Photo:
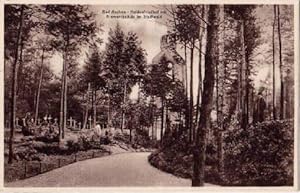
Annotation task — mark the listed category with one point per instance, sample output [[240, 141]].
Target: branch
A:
[[197, 14]]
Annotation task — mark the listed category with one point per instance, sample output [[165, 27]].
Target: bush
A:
[[47, 134], [105, 140], [46, 148], [261, 154], [122, 137], [73, 146], [83, 143]]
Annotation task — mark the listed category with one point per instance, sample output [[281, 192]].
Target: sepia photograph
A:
[[149, 95]]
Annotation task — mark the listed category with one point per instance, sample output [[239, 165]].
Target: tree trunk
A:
[[65, 95], [207, 97], [186, 90], [153, 117], [186, 71], [63, 102], [123, 108], [273, 44], [86, 114], [280, 66], [15, 87], [109, 123], [243, 78], [94, 107], [192, 131], [20, 71], [130, 133], [92, 110], [220, 95], [61, 113], [199, 92], [39, 90], [162, 120], [247, 85], [155, 128]]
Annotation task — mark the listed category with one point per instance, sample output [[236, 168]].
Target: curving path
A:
[[127, 169]]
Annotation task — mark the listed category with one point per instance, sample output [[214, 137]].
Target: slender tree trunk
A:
[[217, 93], [243, 78], [123, 108], [280, 66], [95, 108], [63, 102], [20, 71], [199, 92], [247, 85], [207, 96], [167, 119], [273, 44], [192, 131], [186, 90], [65, 78], [36, 86], [220, 74], [253, 105], [186, 70], [86, 107], [153, 118], [92, 110], [239, 88], [162, 120], [109, 109], [65, 94], [130, 133], [39, 89], [15, 87], [61, 113]]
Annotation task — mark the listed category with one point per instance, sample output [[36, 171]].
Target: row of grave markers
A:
[[77, 125], [48, 120]]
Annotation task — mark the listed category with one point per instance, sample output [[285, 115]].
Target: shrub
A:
[[73, 146], [47, 134], [122, 137], [46, 148], [105, 140], [261, 154], [85, 143]]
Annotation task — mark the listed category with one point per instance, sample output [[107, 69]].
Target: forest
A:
[[215, 105]]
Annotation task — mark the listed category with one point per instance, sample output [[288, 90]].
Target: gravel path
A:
[[127, 169]]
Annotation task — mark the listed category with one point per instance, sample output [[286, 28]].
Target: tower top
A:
[[167, 42]]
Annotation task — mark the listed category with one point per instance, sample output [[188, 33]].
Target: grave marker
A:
[[24, 121], [49, 118], [55, 121], [39, 121], [90, 122], [17, 121], [74, 123], [70, 121]]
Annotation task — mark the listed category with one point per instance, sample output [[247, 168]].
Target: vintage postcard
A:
[[187, 96]]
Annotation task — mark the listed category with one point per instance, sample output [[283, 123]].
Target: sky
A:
[[150, 31]]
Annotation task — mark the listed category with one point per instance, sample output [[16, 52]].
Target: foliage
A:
[[187, 25], [261, 154], [175, 156], [83, 143], [124, 61], [93, 68], [157, 82], [72, 25]]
